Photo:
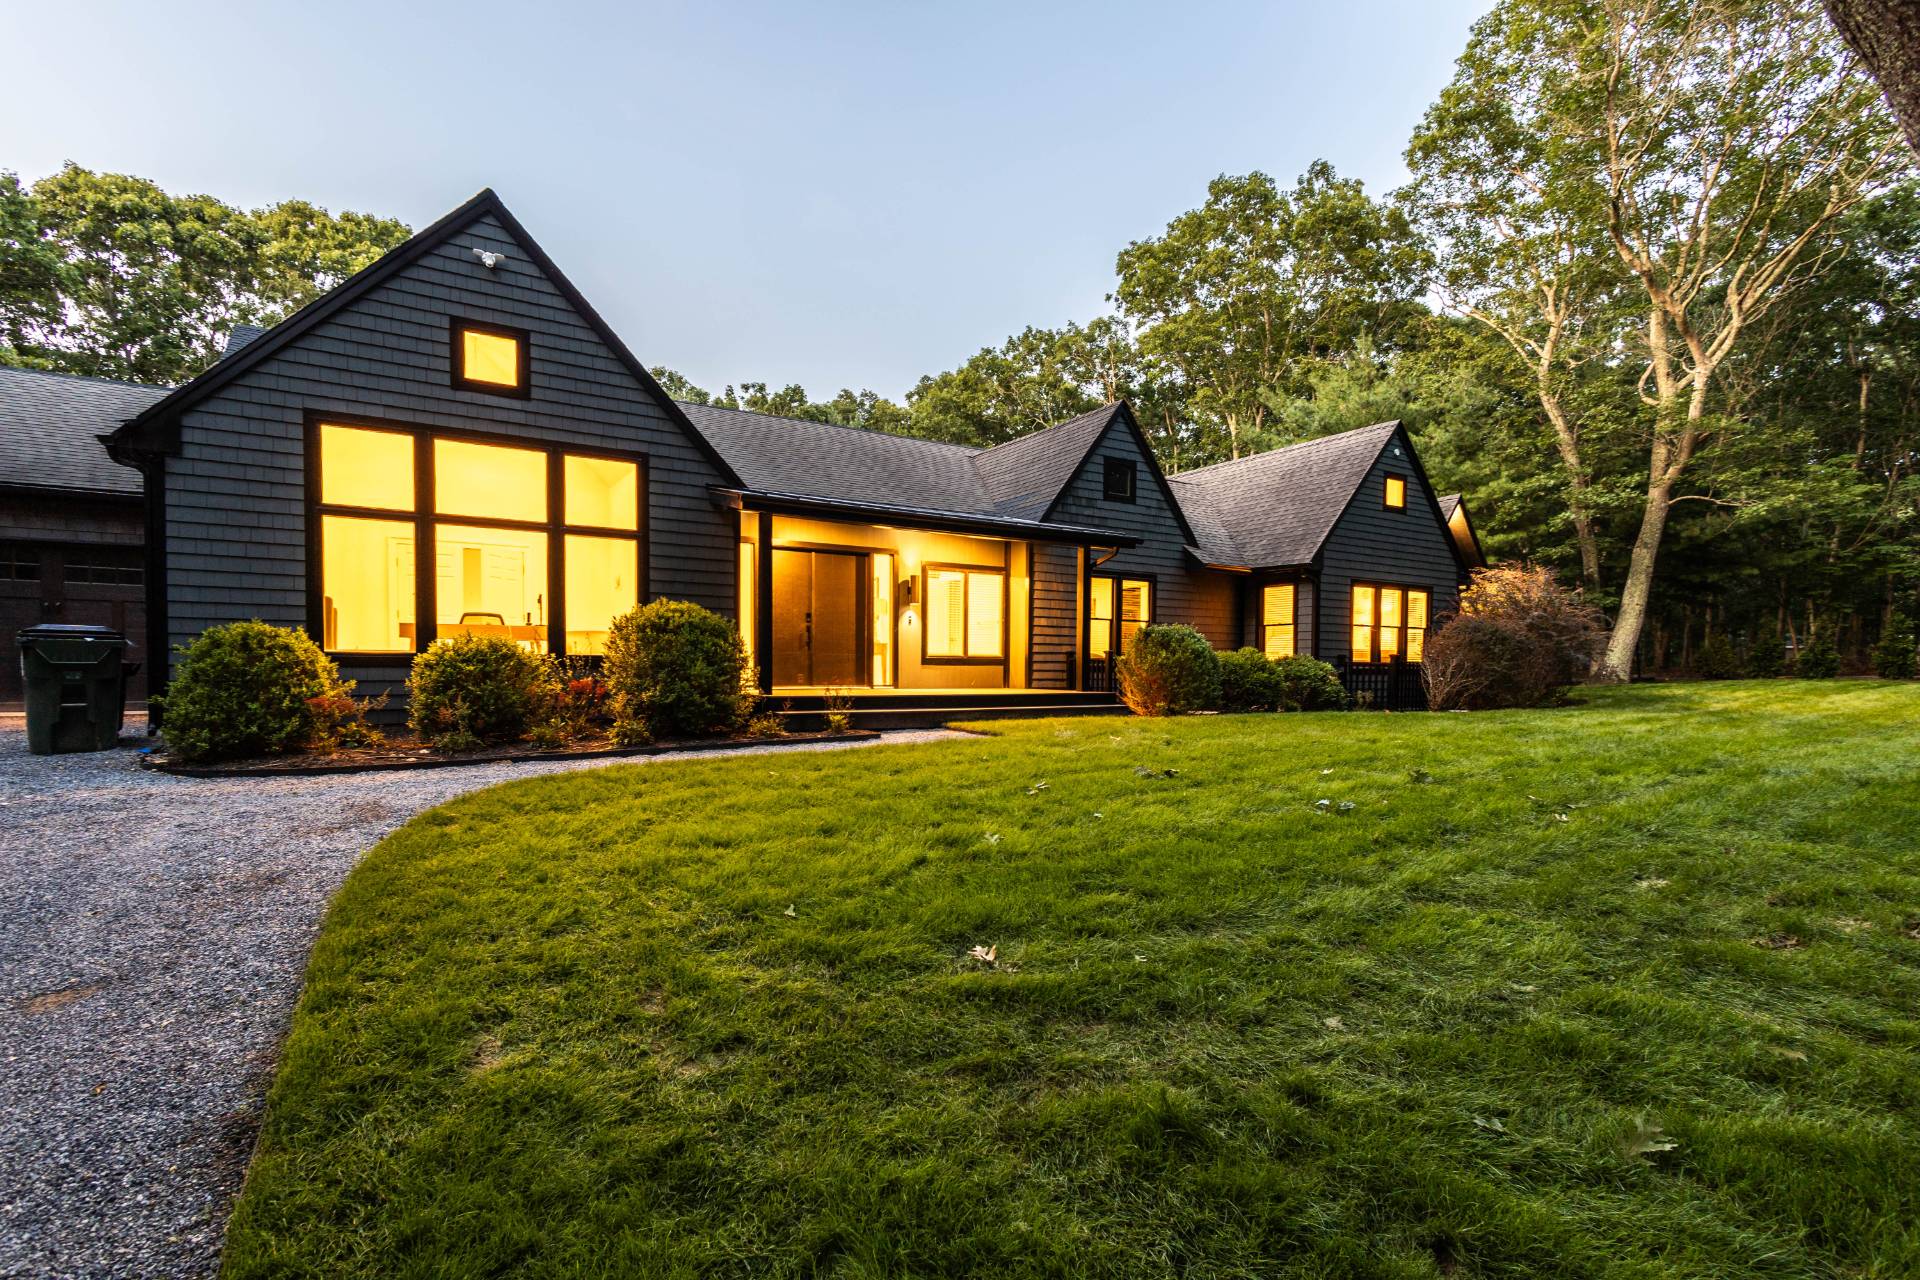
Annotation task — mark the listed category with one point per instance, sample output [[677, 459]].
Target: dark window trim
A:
[[928, 659], [1405, 484], [1127, 467], [423, 518], [457, 358], [1261, 625], [1403, 628], [1113, 636]]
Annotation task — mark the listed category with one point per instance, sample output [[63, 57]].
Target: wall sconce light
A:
[[906, 589]]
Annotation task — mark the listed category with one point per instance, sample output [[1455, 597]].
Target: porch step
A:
[[893, 711]]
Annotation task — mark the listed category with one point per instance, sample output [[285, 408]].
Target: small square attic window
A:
[[1119, 479], [490, 358]]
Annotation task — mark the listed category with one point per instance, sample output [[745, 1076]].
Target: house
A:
[[454, 442], [72, 522]]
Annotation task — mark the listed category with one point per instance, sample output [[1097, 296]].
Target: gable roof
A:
[[50, 429], [156, 429], [1276, 509], [1448, 503], [1025, 476]]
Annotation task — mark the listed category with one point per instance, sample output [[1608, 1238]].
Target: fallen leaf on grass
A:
[[1852, 924], [1779, 942], [1911, 928], [1490, 1122], [986, 955], [1650, 882], [1145, 772], [993, 837], [1333, 1023], [1791, 1055], [1646, 1139], [1036, 788], [1419, 777], [790, 912]]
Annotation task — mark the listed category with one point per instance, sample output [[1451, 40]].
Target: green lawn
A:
[[1627, 989]]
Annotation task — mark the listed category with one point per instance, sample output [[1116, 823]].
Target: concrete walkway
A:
[[153, 935]]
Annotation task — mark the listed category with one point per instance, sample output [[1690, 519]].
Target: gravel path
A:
[[153, 933]]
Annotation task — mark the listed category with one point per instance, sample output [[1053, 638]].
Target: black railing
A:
[[1383, 686], [1099, 675]]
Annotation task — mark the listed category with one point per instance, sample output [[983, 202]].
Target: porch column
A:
[[763, 604]]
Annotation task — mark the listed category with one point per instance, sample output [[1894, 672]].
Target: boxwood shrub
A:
[[1308, 684], [248, 689], [675, 670], [468, 691], [1168, 670], [1249, 681]]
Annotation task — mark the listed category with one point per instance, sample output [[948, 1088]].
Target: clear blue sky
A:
[[837, 194]]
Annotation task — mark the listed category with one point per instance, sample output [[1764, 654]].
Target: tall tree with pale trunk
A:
[[1707, 152]]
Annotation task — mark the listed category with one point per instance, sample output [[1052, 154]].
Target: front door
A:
[[1116, 608], [818, 610]]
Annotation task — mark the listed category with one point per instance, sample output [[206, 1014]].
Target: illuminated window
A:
[[882, 618], [1396, 494], [365, 468], [1388, 622], [602, 583], [366, 585], [1276, 620], [489, 358], [489, 481], [492, 564], [603, 493], [966, 613], [491, 582], [1116, 609], [749, 596]]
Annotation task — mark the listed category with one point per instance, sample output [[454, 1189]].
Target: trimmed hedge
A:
[[248, 689], [675, 670], [1168, 671], [471, 690]]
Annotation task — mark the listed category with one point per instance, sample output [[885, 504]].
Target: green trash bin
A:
[[76, 684]]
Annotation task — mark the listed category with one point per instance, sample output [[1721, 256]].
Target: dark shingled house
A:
[[453, 441], [71, 520]]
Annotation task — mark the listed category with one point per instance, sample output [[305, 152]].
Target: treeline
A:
[[1652, 301]]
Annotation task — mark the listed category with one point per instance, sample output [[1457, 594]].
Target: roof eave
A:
[[778, 503]]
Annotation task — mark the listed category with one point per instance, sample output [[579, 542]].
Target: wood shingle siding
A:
[[1371, 543], [1184, 592], [1056, 615], [236, 488]]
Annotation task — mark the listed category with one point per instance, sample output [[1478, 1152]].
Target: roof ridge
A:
[[1285, 448], [968, 449], [89, 377]]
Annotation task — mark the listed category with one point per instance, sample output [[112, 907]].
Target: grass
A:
[[1625, 989]]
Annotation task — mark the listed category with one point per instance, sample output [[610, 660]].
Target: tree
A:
[[1237, 293], [1028, 383], [1886, 35], [1712, 148], [146, 284]]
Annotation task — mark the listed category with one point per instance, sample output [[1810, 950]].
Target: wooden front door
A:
[[819, 611]]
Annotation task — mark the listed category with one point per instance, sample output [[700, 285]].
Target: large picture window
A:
[[534, 544], [1276, 620], [966, 613], [1388, 623]]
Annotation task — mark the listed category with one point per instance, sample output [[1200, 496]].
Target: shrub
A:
[[1248, 681], [1767, 658], [575, 706], [248, 689], [1308, 684], [1719, 660], [1894, 657], [677, 669], [1818, 661], [1168, 670], [1518, 640], [473, 690]]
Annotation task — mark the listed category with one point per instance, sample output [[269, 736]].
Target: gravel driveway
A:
[[153, 933]]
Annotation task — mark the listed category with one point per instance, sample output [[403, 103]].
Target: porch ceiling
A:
[[921, 518]]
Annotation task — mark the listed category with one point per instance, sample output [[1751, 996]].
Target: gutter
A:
[[917, 517]]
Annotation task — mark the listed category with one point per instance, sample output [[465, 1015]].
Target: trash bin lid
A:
[[70, 631]]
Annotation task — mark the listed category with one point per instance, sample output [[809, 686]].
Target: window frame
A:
[[1119, 581], [1111, 467], [1293, 622], [457, 358], [424, 517], [1386, 490], [931, 659], [1405, 612]]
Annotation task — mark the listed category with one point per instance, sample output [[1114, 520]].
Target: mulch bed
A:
[[409, 754]]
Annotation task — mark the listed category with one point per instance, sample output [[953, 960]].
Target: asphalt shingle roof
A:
[[1449, 503], [50, 424], [1024, 476], [1277, 508]]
